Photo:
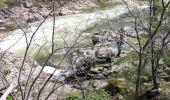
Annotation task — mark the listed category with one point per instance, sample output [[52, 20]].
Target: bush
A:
[[101, 3], [129, 74], [115, 86], [118, 87], [130, 57], [34, 94], [2, 3], [9, 98], [97, 95], [166, 59], [146, 75], [73, 96], [37, 3]]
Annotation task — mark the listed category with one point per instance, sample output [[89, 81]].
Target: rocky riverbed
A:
[[26, 11], [88, 68], [87, 65]]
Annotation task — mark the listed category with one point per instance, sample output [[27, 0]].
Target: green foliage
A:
[[2, 3], [9, 98], [115, 82], [120, 60], [37, 3], [144, 37], [166, 59], [164, 86], [129, 74], [73, 96], [124, 82], [98, 95], [118, 87], [132, 56], [12, 3], [146, 75], [101, 3], [34, 94]]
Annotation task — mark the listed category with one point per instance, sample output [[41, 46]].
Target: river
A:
[[68, 30]]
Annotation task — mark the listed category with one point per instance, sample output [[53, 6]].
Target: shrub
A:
[[114, 86], [166, 59], [130, 57], [146, 75], [73, 96], [120, 61], [2, 3], [12, 3], [129, 74], [101, 3], [97, 95], [9, 98], [34, 94], [37, 3]]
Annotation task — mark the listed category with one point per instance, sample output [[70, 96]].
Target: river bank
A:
[[29, 12], [71, 30], [80, 58]]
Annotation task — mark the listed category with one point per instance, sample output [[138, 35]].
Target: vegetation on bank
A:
[[122, 85], [2, 3], [154, 70]]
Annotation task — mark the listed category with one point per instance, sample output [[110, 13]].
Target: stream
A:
[[69, 30]]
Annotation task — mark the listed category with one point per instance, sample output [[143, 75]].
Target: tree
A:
[[157, 31]]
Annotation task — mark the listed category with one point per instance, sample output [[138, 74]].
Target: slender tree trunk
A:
[[137, 93], [153, 64]]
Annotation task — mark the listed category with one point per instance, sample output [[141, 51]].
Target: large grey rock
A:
[[85, 64], [32, 18], [97, 38], [3, 22], [80, 54], [102, 37], [27, 3], [105, 53]]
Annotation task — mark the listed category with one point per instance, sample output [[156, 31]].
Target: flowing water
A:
[[69, 30]]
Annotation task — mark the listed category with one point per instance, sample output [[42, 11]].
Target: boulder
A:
[[105, 53], [85, 64], [103, 44], [27, 3], [32, 18], [2, 22], [102, 37], [44, 12], [79, 54], [97, 38]]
